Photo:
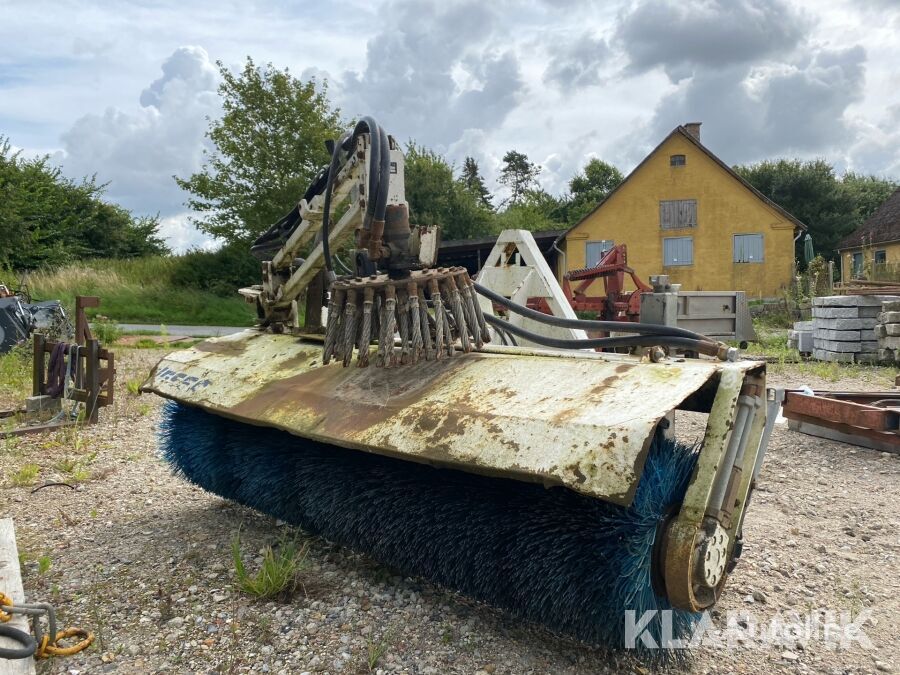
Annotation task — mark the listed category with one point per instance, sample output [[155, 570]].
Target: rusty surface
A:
[[584, 422], [838, 409]]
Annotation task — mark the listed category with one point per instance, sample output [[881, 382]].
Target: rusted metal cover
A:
[[584, 421]]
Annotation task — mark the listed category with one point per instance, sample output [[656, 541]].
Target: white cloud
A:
[[561, 80], [139, 150]]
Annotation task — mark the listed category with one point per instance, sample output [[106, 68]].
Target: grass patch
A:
[[139, 290], [25, 475], [278, 574], [15, 372], [377, 649]]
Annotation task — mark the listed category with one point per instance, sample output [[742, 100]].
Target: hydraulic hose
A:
[[700, 346], [326, 215], [384, 175], [379, 180], [618, 326]]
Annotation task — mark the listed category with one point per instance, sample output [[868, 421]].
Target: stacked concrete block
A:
[[801, 338], [887, 330], [844, 327]]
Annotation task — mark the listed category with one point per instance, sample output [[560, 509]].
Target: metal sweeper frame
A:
[[589, 427]]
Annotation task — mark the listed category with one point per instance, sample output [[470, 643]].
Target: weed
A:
[[44, 564], [26, 475], [146, 343], [81, 474], [378, 649], [93, 513], [277, 575], [134, 386], [106, 331], [65, 465], [143, 409]]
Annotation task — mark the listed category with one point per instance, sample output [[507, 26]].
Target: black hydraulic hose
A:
[[700, 346], [618, 326], [384, 172], [376, 149], [379, 172], [326, 215]]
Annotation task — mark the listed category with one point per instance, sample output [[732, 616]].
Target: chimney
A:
[[693, 128]]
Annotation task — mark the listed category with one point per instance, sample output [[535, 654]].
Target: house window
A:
[[594, 250], [677, 160], [880, 257], [678, 251], [748, 248], [857, 267], [677, 213]]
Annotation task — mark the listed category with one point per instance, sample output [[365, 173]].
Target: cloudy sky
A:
[[123, 89]]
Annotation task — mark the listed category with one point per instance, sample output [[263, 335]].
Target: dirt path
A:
[[144, 560]]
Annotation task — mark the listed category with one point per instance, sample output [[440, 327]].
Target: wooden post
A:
[[82, 328], [92, 377], [38, 370]]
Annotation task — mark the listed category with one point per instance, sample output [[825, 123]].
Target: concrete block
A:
[[880, 332], [804, 341], [889, 343], [835, 346], [845, 335], [37, 404], [804, 325], [835, 312], [886, 355], [868, 357], [853, 300], [869, 312], [892, 329], [846, 324], [890, 306], [889, 317], [823, 355]]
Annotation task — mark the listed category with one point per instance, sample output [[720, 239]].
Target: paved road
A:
[[192, 331]]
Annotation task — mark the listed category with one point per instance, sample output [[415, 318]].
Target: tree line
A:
[[270, 143], [47, 219]]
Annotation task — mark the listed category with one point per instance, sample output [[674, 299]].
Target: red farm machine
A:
[[615, 303]]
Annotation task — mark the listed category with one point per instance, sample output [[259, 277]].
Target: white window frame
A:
[[678, 263], [762, 248]]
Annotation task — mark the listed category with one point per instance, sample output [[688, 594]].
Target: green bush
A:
[[221, 272]]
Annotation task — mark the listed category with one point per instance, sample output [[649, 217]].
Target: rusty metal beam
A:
[[824, 409]]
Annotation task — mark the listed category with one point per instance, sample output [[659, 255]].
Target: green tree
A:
[[474, 182], [537, 211], [590, 186], [831, 206], [435, 196], [866, 192], [269, 144], [519, 175], [49, 219]]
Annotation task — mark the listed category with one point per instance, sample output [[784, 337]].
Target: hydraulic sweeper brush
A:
[[541, 482]]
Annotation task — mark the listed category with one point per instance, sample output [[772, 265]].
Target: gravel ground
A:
[[144, 560]]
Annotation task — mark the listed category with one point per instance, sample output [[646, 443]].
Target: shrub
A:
[[221, 272]]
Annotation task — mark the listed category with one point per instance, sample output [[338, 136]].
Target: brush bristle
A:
[[572, 563]]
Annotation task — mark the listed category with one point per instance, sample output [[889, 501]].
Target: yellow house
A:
[[873, 251], [685, 213]]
